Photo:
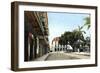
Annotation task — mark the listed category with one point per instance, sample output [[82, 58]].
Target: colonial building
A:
[[35, 35], [56, 47]]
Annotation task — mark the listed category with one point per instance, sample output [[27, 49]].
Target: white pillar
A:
[[55, 45], [37, 51]]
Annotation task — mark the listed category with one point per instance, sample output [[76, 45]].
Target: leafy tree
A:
[[87, 41], [66, 37], [71, 37]]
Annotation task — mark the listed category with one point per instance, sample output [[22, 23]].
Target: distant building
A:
[[56, 47], [55, 43], [35, 34]]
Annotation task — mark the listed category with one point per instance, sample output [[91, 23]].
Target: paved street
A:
[[59, 56], [63, 56], [66, 56]]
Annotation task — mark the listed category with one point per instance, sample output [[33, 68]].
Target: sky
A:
[[60, 22]]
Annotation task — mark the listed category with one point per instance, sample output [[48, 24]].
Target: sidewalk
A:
[[83, 53], [43, 58]]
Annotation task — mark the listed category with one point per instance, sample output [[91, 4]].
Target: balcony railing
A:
[[39, 22]]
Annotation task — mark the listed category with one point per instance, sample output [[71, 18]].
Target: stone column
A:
[[31, 44], [37, 44]]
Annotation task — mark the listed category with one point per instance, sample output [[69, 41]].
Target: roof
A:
[[56, 39]]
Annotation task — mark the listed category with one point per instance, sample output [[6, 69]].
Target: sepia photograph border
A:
[[15, 33]]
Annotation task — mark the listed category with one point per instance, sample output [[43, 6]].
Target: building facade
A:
[[36, 42]]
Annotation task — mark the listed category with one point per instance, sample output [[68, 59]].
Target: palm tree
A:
[[79, 32], [78, 36], [87, 22]]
